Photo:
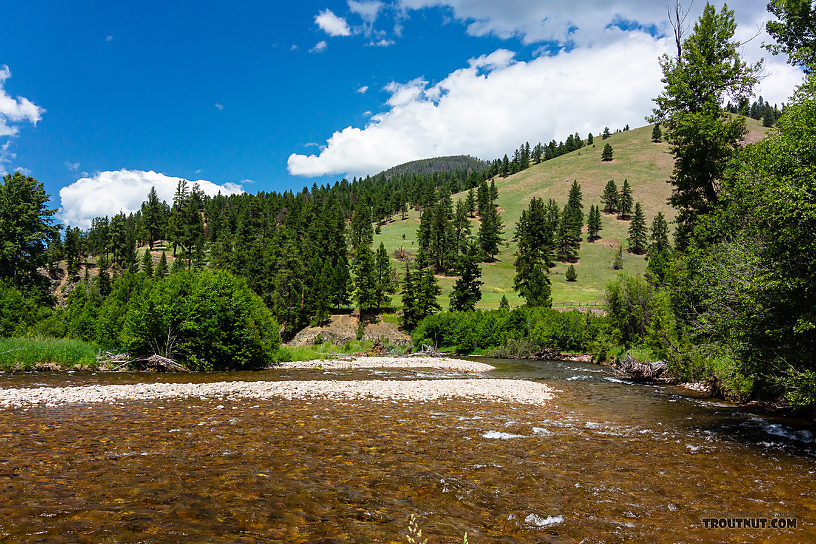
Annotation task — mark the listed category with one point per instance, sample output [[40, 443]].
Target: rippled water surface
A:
[[605, 461]]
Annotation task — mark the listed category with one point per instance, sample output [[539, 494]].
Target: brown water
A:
[[604, 462]]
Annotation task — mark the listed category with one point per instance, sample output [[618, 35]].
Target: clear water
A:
[[605, 461]]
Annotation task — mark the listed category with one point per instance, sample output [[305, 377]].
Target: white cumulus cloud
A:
[[13, 111], [367, 11], [110, 192], [331, 24], [362, 89], [319, 47], [494, 104], [605, 72]]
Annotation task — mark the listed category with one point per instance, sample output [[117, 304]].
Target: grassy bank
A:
[[31, 353]]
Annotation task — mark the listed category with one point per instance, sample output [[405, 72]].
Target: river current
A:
[[604, 461]]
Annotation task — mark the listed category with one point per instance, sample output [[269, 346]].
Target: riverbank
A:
[[501, 390]]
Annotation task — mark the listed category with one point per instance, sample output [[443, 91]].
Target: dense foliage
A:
[[527, 329]]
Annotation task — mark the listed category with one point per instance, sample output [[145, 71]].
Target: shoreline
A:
[[501, 390]]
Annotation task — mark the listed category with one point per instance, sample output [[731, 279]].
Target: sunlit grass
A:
[[645, 164], [29, 353]]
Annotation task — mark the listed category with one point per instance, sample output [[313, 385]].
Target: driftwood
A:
[[428, 351], [636, 370], [154, 363]]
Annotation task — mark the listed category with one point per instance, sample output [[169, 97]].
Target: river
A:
[[604, 461]]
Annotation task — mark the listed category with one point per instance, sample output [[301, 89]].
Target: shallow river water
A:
[[604, 461]]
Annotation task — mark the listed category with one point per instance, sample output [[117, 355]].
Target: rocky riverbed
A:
[[520, 391], [440, 363]]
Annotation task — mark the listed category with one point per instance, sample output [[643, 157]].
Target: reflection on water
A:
[[604, 462]]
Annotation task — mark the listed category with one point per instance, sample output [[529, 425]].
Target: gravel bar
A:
[[505, 390], [442, 363]]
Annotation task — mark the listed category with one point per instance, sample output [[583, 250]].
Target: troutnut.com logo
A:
[[750, 523]]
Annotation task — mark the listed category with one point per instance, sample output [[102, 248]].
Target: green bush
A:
[[210, 320]]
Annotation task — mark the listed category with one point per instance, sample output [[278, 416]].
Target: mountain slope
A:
[[437, 164], [646, 165]]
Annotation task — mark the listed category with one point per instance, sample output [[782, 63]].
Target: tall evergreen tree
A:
[[708, 68], [610, 197], [606, 154], [152, 219], [657, 134], [625, 201], [365, 278], [569, 234], [467, 289], [660, 234], [470, 203], [362, 230], [483, 200], [490, 233], [537, 292], [427, 288], [385, 283], [147, 264], [161, 269], [605, 134], [594, 223], [637, 231]]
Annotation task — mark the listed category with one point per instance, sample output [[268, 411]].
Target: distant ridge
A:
[[437, 164]]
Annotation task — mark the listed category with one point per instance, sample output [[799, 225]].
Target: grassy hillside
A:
[[646, 165]]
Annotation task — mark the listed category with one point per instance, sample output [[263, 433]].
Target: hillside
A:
[[436, 164], [645, 164]]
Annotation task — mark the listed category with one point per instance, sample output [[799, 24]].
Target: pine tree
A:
[[177, 266], [490, 232], [590, 139], [410, 310], [441, 245], [571, 274], [569, 234], [625, 201], [606, 133], [657, 134], [617, 263], [574, 202], [505, 167], [147, 264], [103, 279], [537, 293], [482, 198], [470, 203], [610, 197], [504, 304], [152, 217], [594, 223], [708, 68], [385, 283], [365, 280], [660, 234], [427, 288], [461, 228], [637, 231], [467, 289], [362, 229], [161, 269], [606, 155], [494, 193]]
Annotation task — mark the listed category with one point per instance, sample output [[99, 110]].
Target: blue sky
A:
[[100, 100]]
